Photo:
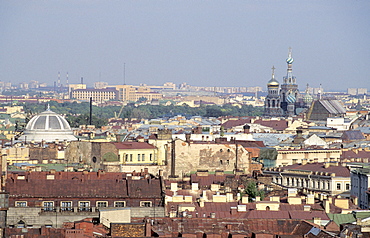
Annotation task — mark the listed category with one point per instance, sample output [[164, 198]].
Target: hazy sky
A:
[[203, 43]]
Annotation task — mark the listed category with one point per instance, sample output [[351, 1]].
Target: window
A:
[[66, 206], [126, 158], [21, 204], [120, 204], [102, 204], [48, 206], [339, 187], [145, 204], [348, 186], [130, 157], [143, 157], [151, 157], [84, 206], [138, 157]]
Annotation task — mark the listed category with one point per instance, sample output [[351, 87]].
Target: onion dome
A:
[[48, 126], [289, 60], [273, 83], [307, 98], [291, 99]]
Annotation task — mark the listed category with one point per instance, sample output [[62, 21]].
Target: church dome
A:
[[290, 99], [273, 82], [48, 126], [307, 98], [290, 60]]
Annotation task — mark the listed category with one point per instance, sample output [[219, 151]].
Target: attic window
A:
[[50, 177], [21, 177]]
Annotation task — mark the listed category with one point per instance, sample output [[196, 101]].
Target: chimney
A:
[[245, 199], [201, 202], [246, 129], [317, 221], [306, 208], [187, 137], [233, 210], [327, 206]]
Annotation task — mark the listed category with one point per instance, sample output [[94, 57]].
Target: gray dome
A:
[[47, 126]]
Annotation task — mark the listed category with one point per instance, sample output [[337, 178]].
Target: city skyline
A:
[[203, 44]]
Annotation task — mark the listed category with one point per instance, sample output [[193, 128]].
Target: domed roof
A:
[[290, 98], [290, 60], [307, 98], [48, 126], [273, 82]]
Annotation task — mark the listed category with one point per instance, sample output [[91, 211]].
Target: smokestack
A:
[[173, 158], [90, 111], [82, 80], [67, 83]]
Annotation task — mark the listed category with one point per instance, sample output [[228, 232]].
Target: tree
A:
[[253, 191]]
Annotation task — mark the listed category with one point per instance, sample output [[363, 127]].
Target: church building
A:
[[283, 100]]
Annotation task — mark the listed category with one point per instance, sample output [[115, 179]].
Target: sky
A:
[[200, 42]]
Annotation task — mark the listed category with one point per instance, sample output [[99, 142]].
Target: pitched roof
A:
[[278, 125], [342, 218], [233, 123], [352, 135], [332, 106]]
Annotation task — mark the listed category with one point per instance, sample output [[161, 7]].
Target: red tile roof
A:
[[233, 123], [79, 184], [278, 125]]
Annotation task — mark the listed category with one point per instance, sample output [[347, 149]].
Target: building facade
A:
[[329, 178], [360, 184]]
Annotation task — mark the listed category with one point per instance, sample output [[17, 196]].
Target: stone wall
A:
[[209, 156]]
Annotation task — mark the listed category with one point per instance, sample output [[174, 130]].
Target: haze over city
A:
[[204, 43]]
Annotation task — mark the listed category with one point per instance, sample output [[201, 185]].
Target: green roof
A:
[[361, 215], [342, 218]]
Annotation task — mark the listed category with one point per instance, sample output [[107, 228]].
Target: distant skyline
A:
[[202, 43]]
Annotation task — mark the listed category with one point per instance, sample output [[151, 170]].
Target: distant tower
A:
[[58, 85], [272, 102], [289, 89], [67, 83]]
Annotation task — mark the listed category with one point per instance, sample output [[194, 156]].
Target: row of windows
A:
[[315, 184], [140, 157], [82, 205]]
